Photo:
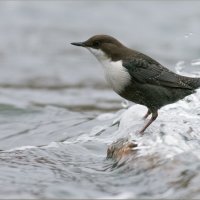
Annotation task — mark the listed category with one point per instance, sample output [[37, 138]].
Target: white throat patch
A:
[[116, 75], [100, 55]]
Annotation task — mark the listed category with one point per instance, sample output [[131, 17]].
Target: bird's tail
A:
[[194, 83]]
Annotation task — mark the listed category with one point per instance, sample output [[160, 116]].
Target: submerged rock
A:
[[121, 148]]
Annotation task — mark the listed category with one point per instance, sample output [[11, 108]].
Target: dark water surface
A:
[[58, 116]]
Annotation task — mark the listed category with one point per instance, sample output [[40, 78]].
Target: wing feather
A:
[[148, 71]]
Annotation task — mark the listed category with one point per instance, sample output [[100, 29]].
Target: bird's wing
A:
[[146, 70]]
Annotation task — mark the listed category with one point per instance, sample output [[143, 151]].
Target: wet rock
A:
[[121, 148]]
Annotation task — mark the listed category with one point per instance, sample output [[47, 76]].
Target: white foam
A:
[[22, 148]]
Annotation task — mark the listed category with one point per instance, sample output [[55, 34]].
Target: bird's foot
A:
[[139, 133]]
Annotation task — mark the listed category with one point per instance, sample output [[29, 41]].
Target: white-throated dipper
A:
[[137, 77]]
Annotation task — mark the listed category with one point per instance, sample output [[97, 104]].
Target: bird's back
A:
[[154, 85]]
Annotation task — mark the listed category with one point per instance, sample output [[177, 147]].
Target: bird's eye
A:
[[96, 44]]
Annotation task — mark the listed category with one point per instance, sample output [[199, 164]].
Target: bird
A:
[[137, 77]]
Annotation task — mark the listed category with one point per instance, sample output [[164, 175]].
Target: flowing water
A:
[[58, 116]]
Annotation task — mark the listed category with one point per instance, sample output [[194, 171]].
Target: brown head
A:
[[111, 47]]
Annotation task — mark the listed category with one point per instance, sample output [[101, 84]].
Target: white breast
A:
[[116, 75]]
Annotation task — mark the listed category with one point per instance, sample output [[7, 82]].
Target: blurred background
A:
[[52, 92]]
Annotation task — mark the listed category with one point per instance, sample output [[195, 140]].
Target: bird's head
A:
[[102, 46]]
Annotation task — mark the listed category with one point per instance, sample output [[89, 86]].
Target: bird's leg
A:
[[153, 117], [147, 114]]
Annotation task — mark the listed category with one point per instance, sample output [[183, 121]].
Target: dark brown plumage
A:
[[151, 84]]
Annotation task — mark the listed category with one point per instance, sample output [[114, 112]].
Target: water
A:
[[58, 116]]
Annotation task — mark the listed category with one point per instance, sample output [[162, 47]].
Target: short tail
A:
[[194, 83]]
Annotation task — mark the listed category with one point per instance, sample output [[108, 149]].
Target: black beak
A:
[[80, 44]]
